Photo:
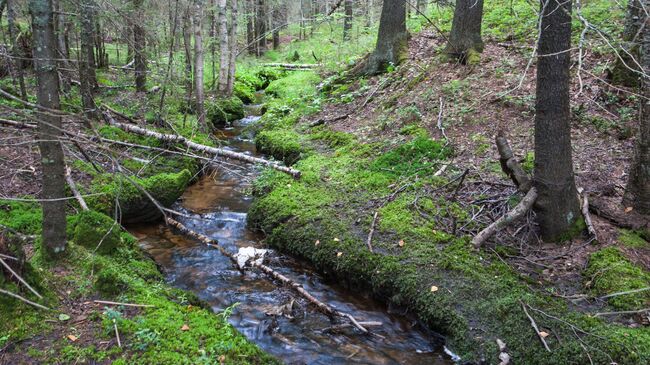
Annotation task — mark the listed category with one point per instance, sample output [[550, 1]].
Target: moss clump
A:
[[281, 144], [412, 157], [268, 75], [21, 216], [135, 206], [632, 239], [610, 272], [95, 230], [245, 93], [298, 85], [332, 138], [115, 133], [225, 110]]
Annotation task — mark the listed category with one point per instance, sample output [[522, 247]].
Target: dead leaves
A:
[[185, 327]]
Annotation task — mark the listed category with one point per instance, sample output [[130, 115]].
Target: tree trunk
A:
[[99, 42], [465, 41], [260, 23], [557, 207], [223, 48], [87, 74], [250, 27], [422, 6], [139, 44], [370, 13], [13, 34], [61, 50], [637, 193], [626, 69], [198, 64], [347, 23], [232, 66], [49, 129], [213, 45], [277, 17], [187, 42], [392, 43]]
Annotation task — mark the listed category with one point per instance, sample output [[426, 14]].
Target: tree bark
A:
[[13, 33], [223, 48], [465, 41], [626, 69], [347, 23], [139, 44], [87, 74], [637, 193], [187, 42], [392, 43], [557, 207], [232, 38], [198, 64], [49, 129], [250, 27], [260, 25]]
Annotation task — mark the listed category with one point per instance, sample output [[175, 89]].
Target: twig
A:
[[532, 322], [519, 211], [7, 257], [585, 213], [74, 189], [440, 115], [117, 334], [2, 291], [621, 312], [124, 304], [19, 278], [625, 293], [372, 231]]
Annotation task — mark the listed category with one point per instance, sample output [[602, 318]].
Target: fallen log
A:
[[199, 147], [325, 121], [515, 214], [293, 66], [297, 287]]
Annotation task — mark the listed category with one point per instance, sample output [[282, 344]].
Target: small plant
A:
[[145, 338], [409, 114]]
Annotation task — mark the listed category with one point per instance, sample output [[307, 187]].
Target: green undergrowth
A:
[[609, 272], [178, 328]]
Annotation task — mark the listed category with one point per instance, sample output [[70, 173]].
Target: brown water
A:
[[216, 206]]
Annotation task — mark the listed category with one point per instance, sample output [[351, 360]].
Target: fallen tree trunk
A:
[[201, 148], [519, 211], [297, 287], [293, 66]]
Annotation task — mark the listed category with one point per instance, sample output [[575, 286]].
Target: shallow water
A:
[[297, 334]]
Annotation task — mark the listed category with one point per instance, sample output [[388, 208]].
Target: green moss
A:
[[244, 92], [298, 85], [166, 188], [115, 133], [22, 216], [332, 138], [632, 239], [281, 144], [95, 230], [473, 57], [610, 272], [529, 162], [223, 111], [412, 157]]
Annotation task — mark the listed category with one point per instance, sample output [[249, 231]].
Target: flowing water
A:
[[268, 315]]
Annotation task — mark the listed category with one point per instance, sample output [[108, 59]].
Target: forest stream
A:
[[267, 314]]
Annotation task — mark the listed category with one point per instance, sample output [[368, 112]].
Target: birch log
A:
[[201, 148]]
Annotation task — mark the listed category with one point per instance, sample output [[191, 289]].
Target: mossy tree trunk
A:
[[557, 207], [465, 41], [87, 74], [49, 128], [637, 193], [627, 67], [392, 43], [139, 45]]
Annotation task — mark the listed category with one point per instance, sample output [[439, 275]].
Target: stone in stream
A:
[[246, 254]]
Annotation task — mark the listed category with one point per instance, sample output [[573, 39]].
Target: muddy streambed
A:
[[270, 316]]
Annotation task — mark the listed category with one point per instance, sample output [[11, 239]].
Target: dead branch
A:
[[201, 148], [625, 293], [294, 66], [532, 323], [2, 291], [106, 302], [372, 231], [519, 211], [510, 165], [622, 312], [585, 213], [325, 121], [19, 278], [117, 333], [75, 191]]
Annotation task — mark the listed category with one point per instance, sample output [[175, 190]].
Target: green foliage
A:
[[281, 144], [610, 272], [95, 230], [409, 158], [24, 217], [223, 111], [298, 85]]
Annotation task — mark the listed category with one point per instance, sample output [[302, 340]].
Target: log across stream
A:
[[273, 317]]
